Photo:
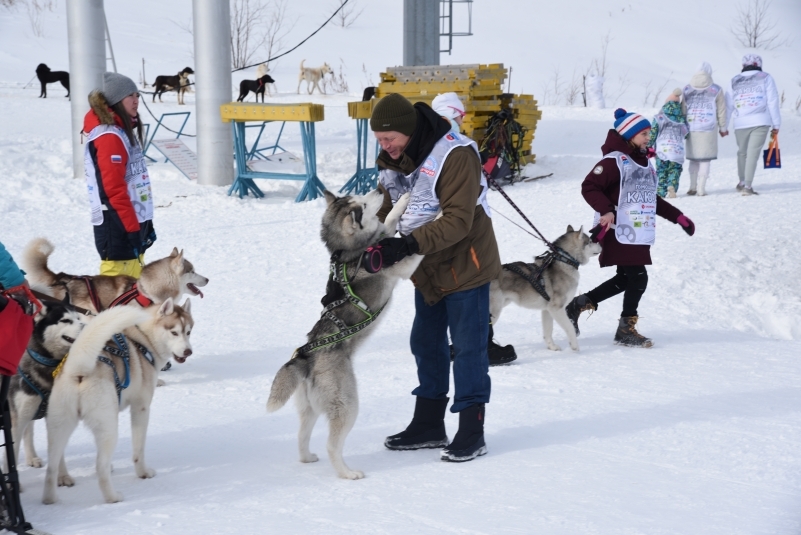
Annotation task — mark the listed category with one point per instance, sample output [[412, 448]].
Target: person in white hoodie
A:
[[753, 104], [449, 106], [704, 104]]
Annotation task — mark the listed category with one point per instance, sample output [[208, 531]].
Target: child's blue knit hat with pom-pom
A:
[[629, 124]]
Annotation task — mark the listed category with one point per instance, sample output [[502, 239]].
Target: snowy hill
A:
[[698, 435]]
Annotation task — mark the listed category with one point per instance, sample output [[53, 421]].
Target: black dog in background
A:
[[257, 86], [369, 93], [46, 76]]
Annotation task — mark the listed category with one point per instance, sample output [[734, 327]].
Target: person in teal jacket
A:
[[10, 274]]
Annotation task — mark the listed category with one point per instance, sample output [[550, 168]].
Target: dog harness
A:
[[339, 275], [131, 295], [123, 353], [534, 275], [42, 392]]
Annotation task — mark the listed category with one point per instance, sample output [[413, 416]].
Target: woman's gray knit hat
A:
[[116, 87]]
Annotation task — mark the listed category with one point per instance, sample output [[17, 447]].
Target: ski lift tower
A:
[[425, 22]]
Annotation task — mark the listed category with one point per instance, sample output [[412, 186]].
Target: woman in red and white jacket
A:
[[116, 177]]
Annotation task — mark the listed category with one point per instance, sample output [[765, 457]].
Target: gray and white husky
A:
[[88, 388], [322, 379], [560, 281], [56, 328]]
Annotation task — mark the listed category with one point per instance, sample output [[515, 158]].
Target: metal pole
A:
[[421, 32], [87, 50], [108, 38], [215, 145]]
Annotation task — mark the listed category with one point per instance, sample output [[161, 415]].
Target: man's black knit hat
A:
[[394, 113]]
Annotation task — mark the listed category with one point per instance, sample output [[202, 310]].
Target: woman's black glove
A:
[[135, 242], [389, 251]]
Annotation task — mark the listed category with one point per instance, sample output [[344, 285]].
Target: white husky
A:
[[88, 387], [313, 76]]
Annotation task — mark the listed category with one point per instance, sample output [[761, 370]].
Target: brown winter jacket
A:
[[460, 248], [601, 190]]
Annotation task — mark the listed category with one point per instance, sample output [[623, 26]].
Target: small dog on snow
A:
[[322, 379], [313, 76], [559, 280], [113, 365]]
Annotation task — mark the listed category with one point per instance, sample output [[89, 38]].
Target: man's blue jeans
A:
[[466, 314]]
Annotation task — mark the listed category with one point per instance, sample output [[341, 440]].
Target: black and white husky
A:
[[320, 374], [559, 280], [56, 328]]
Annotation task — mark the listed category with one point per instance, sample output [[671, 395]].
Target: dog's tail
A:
[[89, 344], [301, 64], [286, 382], [34, 262]]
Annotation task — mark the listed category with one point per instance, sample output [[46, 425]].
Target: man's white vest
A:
[[670, 139], [636, 206], [701, 107], [136, 176], [750, 94], [423, 202]]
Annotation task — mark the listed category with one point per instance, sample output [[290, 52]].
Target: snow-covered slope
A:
[[698, 435]]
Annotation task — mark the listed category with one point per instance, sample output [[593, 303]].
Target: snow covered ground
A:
[[698, 435]]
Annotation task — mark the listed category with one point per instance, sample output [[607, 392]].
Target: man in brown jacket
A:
[[441, 170]]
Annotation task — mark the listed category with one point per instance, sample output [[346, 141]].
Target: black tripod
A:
[[11, 516]]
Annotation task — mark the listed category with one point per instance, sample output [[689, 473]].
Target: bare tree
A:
[[658, 92], [276, 28], [574, 89], [599, 64], [348, 14], [754, 29], [648, 88], [623, 84], [246, 16]]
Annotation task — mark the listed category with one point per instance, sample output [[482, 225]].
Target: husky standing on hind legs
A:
[[320, 373]]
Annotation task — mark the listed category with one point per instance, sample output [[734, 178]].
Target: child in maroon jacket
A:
[[622, 190]]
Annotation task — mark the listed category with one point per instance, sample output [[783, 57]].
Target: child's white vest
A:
[[670, 139], [636, 205], [701, 107], [423, 202], [136, 176], [749, 94]]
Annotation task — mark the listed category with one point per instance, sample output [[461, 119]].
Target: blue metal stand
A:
[[243, 183], [366, 178], [158, 124], [257, 153]]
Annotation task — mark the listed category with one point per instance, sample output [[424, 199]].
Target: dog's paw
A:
[[553, 347], [310, 458], [160, 382], [66, 481], [49, 498], [35, 462], [352, 474], [113, 497], [574, 347], [145, 473]]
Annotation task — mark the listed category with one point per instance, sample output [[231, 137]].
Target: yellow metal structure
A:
[[480, 88], [244, 111]]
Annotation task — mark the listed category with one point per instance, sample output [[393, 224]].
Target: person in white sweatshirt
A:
[[704, 104], [753, 104]]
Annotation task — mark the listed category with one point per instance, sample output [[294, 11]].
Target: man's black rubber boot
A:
[[427, 429], [469, 440], [498, 354], [574, 308]]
